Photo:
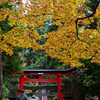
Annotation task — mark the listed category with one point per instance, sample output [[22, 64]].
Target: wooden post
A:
[[21, 81], [59, 80]]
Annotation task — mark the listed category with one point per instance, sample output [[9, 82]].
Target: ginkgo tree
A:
[[67, 43]]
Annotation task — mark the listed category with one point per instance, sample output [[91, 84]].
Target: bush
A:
[[5, 92]]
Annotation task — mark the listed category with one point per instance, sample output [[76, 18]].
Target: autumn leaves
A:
[[63, 43]]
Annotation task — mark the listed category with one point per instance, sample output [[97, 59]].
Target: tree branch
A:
[[86, 17]]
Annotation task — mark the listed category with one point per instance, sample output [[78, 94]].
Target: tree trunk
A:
[[1, 76]]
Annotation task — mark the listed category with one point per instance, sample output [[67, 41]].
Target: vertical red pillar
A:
[[61, 94], [18, 92], [59, 80], [21, 82]]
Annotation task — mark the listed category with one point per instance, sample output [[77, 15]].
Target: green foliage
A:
[[5, 27], [12, 64], [54, 98], [38, 59], [88, 79], [91, 4], [5, 5], [5, 88], [5, 92], [5, 99]]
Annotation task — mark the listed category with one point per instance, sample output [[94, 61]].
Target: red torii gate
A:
[[40, 72]]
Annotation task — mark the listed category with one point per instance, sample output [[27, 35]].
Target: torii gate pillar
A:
[[21, 80], [60, 93]]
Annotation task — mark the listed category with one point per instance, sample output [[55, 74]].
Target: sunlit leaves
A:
[[63, 43]]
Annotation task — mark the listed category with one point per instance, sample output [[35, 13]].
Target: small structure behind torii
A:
[[57, 72]]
